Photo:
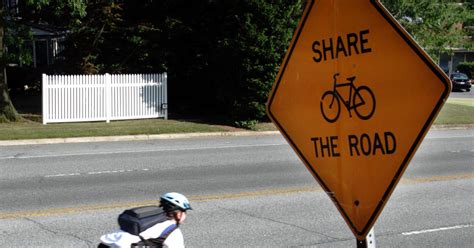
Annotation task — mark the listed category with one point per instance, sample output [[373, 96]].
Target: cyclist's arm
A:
[[174, 240]]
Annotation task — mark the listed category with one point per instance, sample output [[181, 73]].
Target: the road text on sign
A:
[[358, 145]]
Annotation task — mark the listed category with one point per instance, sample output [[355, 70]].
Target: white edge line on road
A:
[[63, 175], [151, 150], [95, 173], [138, 151], [437, 229], [132, 138], [451, 137], [172, 136]]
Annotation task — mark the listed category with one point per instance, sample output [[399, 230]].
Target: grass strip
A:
[[35, 130], [456, 112]]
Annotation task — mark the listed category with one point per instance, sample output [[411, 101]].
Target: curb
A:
[[452, 127], [172, 136], [132, 138]]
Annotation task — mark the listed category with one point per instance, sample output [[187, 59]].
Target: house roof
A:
[[46, 30]]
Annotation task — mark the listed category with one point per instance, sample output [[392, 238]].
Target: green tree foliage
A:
[[17, 34], [469, 23], [435, 24], [55, 13], [94, 43], [466, 67], [221, 56], [247, 53]]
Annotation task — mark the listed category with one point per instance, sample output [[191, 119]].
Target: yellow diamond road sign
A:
[[354, 97]]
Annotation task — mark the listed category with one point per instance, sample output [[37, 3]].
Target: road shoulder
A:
[[172, 136]]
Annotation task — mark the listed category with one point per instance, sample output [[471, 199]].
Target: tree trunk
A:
[[7, 111]]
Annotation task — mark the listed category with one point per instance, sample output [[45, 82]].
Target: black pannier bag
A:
[[137, 220]]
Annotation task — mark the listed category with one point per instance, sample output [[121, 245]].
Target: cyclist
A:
[[175, 206]]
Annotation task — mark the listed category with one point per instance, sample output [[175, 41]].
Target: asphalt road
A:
[[247, 191], [462, 94]]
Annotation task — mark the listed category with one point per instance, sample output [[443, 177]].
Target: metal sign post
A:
[[368, 242]]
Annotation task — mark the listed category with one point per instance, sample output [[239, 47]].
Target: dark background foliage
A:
[[221, 56]]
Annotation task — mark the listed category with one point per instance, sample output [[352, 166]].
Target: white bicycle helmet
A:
[[174, 201]]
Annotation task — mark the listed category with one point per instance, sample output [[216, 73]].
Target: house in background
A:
[[46, 44], [449, 62]]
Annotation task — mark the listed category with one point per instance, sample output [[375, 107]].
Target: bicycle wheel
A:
[[364, 102], [330, 106]]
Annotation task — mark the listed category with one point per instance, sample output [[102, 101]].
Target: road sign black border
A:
[[414, 146]]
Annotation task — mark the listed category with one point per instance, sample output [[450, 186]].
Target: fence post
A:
[[108, 98], [45, 101], [165, 95]]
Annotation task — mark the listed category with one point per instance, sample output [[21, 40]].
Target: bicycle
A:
[[361, 100]]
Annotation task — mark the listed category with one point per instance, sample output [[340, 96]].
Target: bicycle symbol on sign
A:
[[361, 100]]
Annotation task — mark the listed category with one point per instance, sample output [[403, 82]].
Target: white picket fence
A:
[[77, 98]]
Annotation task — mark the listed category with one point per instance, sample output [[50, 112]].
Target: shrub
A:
[[466, 67]]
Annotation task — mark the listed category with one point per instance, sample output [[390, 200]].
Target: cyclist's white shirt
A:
[[124, 239]]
